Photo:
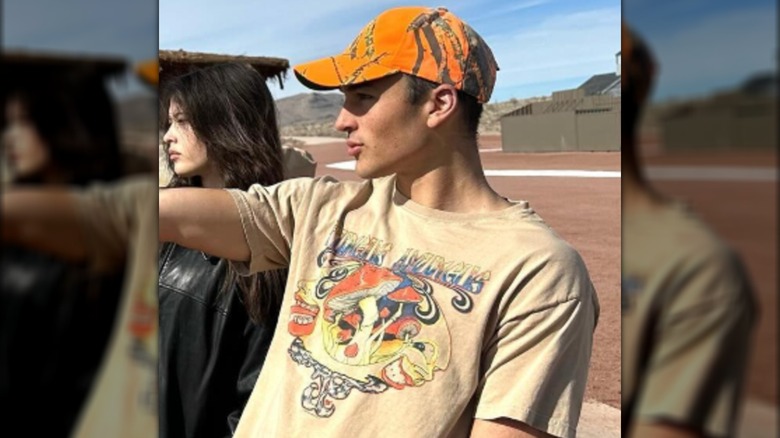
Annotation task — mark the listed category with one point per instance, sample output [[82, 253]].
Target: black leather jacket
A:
[[210, 351], [55, 319]]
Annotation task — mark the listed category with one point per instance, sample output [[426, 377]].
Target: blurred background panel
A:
[[78, 122], [709, 138]]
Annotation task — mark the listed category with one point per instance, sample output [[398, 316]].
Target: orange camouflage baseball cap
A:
[[149, 71], [429, 43]]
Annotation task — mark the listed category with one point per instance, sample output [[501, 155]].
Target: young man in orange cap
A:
[[420, 302]]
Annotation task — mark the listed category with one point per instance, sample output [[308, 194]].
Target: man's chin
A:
[[371, 173]]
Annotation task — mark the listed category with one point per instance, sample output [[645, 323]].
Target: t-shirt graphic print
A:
[[367, 327]]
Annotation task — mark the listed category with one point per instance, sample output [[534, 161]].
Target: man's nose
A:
[[345, 122]]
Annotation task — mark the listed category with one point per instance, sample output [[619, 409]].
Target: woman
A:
[[55, 314], [215, 327], [61, 134]]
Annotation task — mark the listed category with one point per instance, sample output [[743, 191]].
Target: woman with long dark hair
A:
[[215, 326], [61, 134]]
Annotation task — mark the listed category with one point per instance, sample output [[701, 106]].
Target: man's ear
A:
[[442, 104]]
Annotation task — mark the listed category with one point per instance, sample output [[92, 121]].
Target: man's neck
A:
[[454, 183]]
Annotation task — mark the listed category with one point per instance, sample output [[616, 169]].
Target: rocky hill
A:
[[312, 114], [309, 114]]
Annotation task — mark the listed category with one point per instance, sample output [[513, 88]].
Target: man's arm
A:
[[47, 220], [203, 219], [504, 428]]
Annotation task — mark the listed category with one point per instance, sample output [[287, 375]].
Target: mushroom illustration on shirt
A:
[[377, 318]]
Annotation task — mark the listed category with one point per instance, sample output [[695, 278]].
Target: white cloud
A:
[[562, 47], [507, 8], [296, 30]]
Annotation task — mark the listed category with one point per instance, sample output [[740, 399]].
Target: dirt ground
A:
[[584, 211]]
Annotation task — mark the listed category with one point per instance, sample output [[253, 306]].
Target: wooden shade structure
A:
[[177, 62]]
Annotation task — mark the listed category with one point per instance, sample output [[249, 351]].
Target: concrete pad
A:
[[759, 420], [318, 140], [598, 420]]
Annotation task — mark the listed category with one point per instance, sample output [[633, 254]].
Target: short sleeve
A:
[[697, 364], [268, 217], [109, 214], [535, 367]]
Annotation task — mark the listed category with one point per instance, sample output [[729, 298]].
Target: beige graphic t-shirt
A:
[[399, 320], [120, 223], [686, 322]]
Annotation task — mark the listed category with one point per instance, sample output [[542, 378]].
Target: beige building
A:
[[740, 119], [586, 118]]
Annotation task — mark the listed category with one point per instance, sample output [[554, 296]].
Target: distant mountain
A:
[[309, 108], [313, 114], [301, 114]]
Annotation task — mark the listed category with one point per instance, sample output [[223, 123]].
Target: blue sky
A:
[[94, 27], [703, 46], [541, 45]]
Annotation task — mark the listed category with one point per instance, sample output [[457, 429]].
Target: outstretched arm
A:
[[203, 219], [46, 220]]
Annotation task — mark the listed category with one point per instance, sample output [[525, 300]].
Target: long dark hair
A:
[[75, 118], [231, 111]]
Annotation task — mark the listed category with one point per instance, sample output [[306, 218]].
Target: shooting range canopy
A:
[[177, 62]]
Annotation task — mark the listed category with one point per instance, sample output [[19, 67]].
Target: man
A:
[[688, 309], [420, 302]]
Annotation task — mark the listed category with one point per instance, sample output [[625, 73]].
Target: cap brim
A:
[[149, 72], [340, 70]]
